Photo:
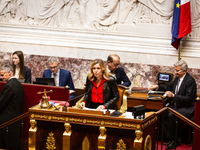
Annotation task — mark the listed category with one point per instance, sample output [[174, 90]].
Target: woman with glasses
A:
[[101, 88], [19, 70]]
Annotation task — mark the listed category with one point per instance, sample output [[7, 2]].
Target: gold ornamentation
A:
[[32, 115], [50, 144], [45, 101], [84, 120], [138, 126], [102, 123], [102, 138], [67, 136], [32, 135], [121, 145], [120, 124], [86, 143], [149, 122], [49, 117], [138, 140], [66, 119], [148, 143]]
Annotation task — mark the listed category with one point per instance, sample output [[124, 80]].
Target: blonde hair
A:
[[102, 65]]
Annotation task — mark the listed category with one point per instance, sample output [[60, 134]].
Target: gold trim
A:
[[137, 145], [50, 144], [121, 145], [148, 143], [85, 143], [67, 136], [32, 135], [102, 138], [123, 107]]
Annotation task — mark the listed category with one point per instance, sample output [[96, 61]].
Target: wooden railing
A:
[[163, 110], [14, 120]]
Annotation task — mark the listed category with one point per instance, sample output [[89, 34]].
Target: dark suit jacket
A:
[[64, 79], [185, 99], [27, 75], [11, 103], [11, 100], [121, 76], [110, 93]]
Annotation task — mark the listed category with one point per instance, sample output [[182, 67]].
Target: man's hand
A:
[[100, 107], [82, 105], [152, 87], [169, 94]]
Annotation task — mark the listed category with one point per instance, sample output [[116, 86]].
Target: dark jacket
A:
[[27, 75], [185, 99], [65, 78], [11, 103], [121, 76], [110, 93]]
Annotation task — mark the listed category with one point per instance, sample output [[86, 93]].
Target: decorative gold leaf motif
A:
[[50, 144], [121, 145]]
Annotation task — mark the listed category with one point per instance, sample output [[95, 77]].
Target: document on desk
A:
[[103, 110]]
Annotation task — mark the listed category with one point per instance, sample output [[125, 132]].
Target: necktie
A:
[[176, 92], [55, 79]]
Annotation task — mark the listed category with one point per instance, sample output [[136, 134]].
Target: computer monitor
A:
[[164, 78], [45, 81]]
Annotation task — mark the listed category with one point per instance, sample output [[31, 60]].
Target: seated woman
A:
[[19, 70], [101, 88]]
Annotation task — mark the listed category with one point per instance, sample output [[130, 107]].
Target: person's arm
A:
[[115, 93], [71, 85], [187, 94], [5, 97], [125, 79]]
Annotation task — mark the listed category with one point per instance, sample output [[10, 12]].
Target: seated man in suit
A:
[[113, 61], [182, 92], [62, 77], [11, 102]]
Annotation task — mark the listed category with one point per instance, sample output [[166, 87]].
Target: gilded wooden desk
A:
[[60, 130]]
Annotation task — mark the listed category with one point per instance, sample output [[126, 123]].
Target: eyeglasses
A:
[[54, 67], [178, 71], [115, 64]]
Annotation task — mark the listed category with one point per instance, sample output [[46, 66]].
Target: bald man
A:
[[113, 62]]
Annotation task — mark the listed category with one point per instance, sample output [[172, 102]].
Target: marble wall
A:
[[140, 75], [77, 32]]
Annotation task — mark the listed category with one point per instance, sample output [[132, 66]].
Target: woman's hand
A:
[[100, 107], [82, 105]]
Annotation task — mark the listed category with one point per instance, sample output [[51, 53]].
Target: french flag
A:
[[181, 24]]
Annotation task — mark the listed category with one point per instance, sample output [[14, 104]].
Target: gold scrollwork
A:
[[50, 144], [32, 115], [102, 122], [49, 117], [148, 143], [121, 145], [66, 119], [84, 120], [120, 124]]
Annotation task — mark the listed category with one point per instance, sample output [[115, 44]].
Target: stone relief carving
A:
[[105, 15]]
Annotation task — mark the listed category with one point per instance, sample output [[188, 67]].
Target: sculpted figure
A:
[[33, 124], [195, 20], [107, 14], [153, 11], [102, 133], [67, 129]]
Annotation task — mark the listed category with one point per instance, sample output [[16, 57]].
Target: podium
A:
[[77, 129]]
